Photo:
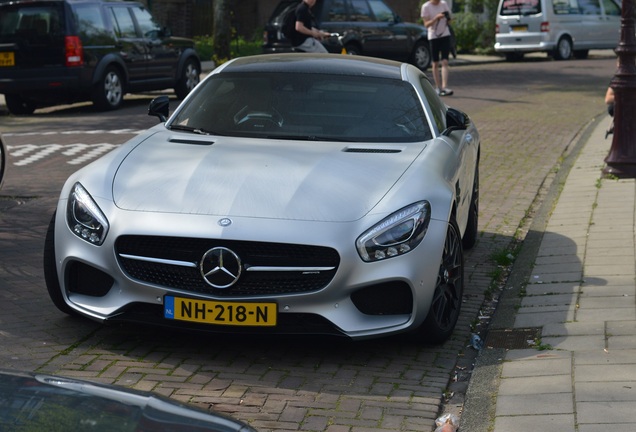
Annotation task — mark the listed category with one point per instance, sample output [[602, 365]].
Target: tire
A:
[[472, 226], [563, 50], [50, 271], [188, 80], [449, 289], [17, 105], [421, 56], [108, 94], [581, 54]]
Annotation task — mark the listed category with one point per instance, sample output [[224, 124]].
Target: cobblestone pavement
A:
[[527, 121]]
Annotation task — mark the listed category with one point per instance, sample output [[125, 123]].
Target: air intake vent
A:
[[187, 141], [372, 150]]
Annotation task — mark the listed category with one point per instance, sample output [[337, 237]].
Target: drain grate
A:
[[512, 338]]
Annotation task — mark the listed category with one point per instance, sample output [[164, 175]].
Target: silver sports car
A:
[[290, 193]]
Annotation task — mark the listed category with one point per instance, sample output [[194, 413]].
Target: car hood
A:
[[243, 177]]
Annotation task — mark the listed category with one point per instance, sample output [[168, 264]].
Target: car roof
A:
[[316, 63]]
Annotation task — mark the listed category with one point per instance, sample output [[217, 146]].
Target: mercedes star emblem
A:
[[220, 267]]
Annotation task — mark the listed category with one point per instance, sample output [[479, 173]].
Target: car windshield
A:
[[315, 107]]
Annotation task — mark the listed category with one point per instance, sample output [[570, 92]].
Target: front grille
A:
[[155, 257]]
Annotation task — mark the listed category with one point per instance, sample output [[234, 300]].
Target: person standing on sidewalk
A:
[[306, 37], [436, 15]]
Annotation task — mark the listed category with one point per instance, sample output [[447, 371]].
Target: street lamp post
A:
[[621, 160]]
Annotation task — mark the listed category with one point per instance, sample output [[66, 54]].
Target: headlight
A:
[[84, 217], [397, 234]]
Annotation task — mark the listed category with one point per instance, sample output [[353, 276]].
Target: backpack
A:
[[289, 22]]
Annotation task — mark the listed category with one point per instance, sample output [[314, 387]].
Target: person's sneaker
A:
[[437, 91], [446, 92]]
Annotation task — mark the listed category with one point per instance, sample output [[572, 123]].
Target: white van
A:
[[561, 28]]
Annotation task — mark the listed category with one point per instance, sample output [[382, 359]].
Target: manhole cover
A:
[[512, 338]]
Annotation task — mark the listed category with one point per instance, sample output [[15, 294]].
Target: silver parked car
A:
[[288, 193]]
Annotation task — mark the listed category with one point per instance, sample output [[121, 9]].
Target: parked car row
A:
[[562, 28], [367, 27], [63, 51]]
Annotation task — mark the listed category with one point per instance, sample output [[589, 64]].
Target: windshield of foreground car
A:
[[316, 107]]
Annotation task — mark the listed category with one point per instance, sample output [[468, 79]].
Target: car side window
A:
[[90, 21], [360, 11], [381, 11], [123, 23], [438, 108], [337, 11], [149, 28]]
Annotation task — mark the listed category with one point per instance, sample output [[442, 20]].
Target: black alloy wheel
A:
[[449, 289]]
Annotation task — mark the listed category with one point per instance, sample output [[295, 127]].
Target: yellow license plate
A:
[[7, 59], [519, 28], [220, 313]]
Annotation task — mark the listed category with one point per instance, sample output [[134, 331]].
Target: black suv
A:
[[63, 51], [367, 27]]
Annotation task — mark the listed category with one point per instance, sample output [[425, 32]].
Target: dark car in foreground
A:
[[62, 51], [41, 402], [288, 193], [366, 27]]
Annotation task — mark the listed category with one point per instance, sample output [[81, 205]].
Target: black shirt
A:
[[304, 15]]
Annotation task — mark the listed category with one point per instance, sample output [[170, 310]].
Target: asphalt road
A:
[[529, 115]]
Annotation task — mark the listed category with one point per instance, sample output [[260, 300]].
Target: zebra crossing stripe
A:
[[25, 154]]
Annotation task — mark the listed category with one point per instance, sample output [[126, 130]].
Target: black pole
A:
[[621, 160]]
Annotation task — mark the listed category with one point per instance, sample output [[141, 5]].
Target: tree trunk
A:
[[222, 32]]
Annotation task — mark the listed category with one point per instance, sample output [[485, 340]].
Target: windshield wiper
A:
[[198, 131]]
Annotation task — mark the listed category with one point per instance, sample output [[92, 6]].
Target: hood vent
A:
[[189, 141], [372, 150]]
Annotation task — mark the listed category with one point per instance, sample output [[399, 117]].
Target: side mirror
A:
[[456, 120], [160, 107]]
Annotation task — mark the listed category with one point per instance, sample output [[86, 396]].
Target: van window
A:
[[611, 8], [566, 7], [520, 7], [590, 7]]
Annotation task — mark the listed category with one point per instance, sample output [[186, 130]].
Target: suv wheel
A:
[[189, 79], [17, 105], [109, 92], [421, 55]]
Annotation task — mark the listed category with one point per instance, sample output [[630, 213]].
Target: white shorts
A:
[[312, 45]]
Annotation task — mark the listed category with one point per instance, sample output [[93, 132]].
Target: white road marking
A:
[[25, 154]]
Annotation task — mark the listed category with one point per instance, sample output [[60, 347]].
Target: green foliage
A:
[[239, 47], [467, 31]]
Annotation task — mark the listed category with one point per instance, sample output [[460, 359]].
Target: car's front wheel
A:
[[421, 56], [50, 271], [108, 94], [449, 289], [18, 105], [189, 79]]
